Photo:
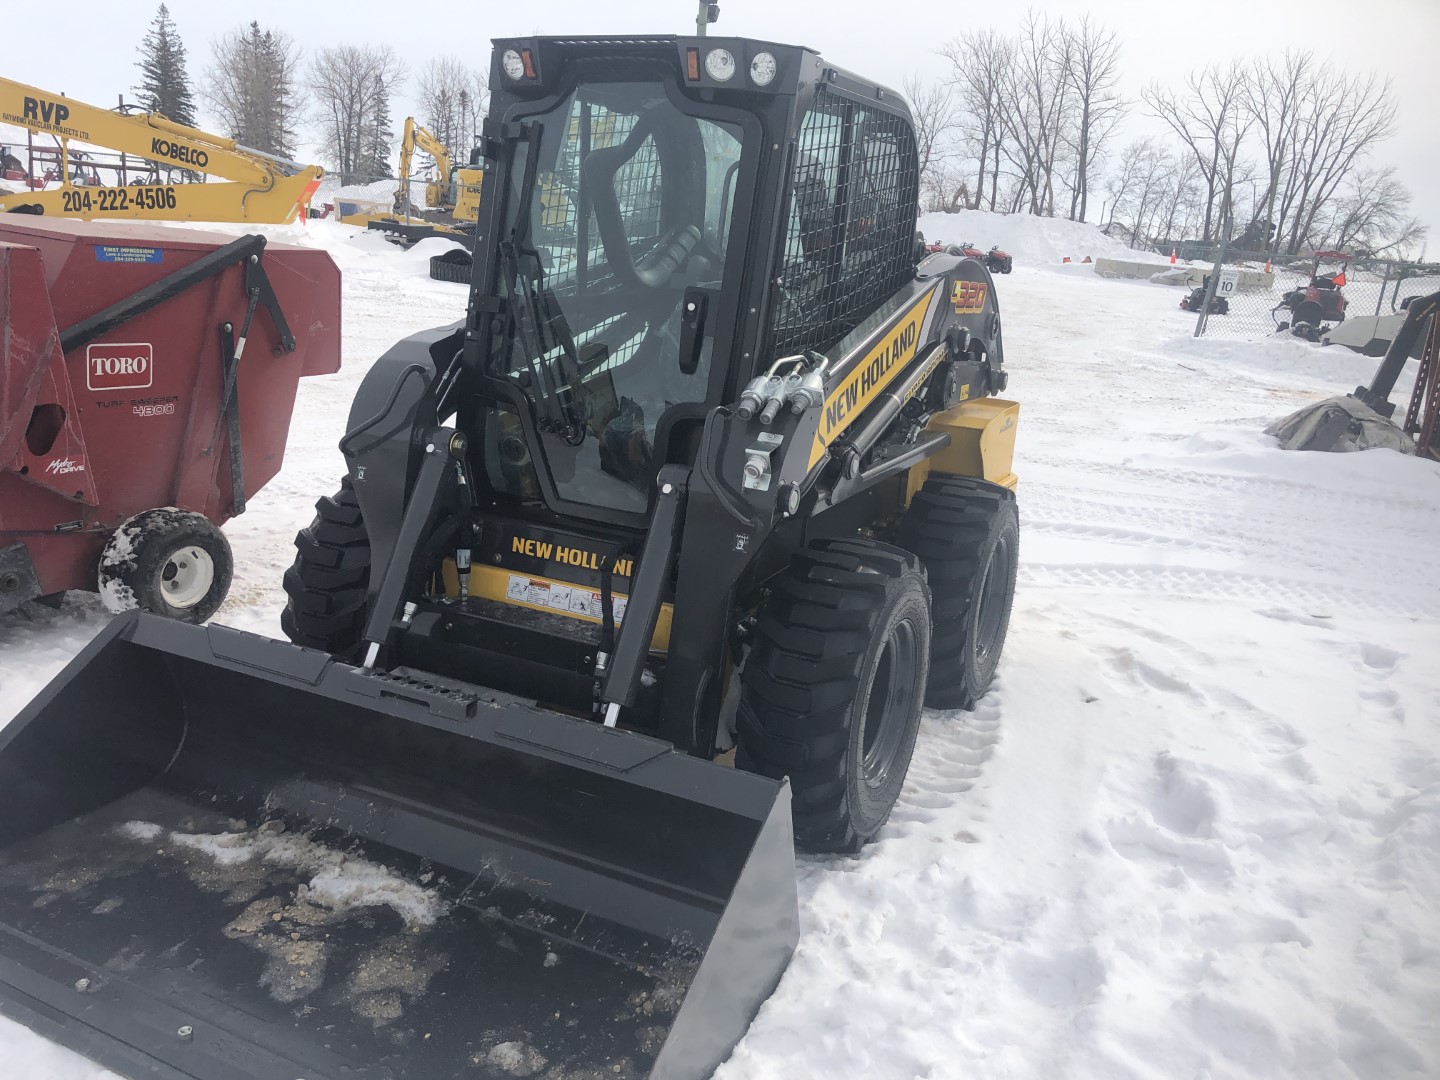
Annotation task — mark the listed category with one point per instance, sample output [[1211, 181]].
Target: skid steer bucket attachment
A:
[[223, 856]]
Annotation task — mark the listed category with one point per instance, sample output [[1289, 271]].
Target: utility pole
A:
[[707, 14]]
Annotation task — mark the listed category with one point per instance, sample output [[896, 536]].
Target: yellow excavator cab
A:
[[467, 194]]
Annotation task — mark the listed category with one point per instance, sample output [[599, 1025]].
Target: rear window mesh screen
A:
[[849, 234]]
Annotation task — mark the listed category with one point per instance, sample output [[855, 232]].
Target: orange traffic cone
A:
[[1267, 266], [1172, 256]]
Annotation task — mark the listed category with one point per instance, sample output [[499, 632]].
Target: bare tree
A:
[[979, 60], [351, 85], [453, 102], [1035, 103], [1146, 190], [1180, 200], [932, 108], [1093, 71], [1344, 117], [253, 84], [1210, 120], [1371, 215], [1273, 93]]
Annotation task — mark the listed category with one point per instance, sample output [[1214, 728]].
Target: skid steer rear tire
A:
[[967, 533], [832, 689], [327, 582]]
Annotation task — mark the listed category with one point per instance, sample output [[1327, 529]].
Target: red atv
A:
[[969, 250], [997, 261], [1312, 306], [924, 249]]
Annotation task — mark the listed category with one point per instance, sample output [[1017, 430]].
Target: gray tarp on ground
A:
[[1370, 334], [1341, 424]]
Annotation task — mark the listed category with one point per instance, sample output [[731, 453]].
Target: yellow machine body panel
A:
[[235, 202], [536, 593], [467, 194], [982, 444], [888, 358]]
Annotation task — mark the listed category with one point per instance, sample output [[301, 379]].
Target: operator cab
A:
[[619, 218]]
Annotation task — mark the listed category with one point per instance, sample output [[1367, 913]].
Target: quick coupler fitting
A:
[[805, 391], [756, 393], [773, 405]]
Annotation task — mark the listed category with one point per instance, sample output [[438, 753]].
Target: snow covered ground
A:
[[1194, 832]]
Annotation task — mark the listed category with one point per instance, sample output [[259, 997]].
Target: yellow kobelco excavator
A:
[[454, 191], [262, 189], [452, 196]]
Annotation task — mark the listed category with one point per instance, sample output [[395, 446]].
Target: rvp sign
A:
[[113, 366]]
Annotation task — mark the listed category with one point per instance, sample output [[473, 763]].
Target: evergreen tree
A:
[[253, 87], [375, 160], [164, 85], [277, 65]]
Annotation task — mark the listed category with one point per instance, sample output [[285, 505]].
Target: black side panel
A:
[[393, 404]]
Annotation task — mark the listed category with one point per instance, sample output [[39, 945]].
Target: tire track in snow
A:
[[1265, 489], [1222, 585]]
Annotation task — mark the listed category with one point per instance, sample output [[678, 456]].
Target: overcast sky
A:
[[86, 49]]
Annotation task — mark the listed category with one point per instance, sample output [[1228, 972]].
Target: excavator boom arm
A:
[[147, 135], [416, 136]]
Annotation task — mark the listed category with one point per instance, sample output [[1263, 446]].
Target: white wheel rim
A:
[[186, 577]]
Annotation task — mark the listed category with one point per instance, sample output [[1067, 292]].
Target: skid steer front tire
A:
[[832, 689], [967, 533], [327, 582]]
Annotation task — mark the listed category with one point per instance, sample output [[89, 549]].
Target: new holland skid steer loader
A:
[[638, 577]]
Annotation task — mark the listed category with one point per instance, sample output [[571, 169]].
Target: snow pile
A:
[[145, 831], [514, 1059], [1033, 241], [1285, 354], [341, 882], [373, 198]]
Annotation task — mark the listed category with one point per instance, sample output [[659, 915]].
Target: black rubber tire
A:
[[847, 623], [453, 266], [966, 532], [1308, 311], [327, 582], [148, 556]]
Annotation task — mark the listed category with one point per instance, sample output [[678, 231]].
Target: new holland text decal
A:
[[875, 371]]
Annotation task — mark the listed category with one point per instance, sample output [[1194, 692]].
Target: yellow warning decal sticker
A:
[[566, 599], [969, 297], [875, 371]]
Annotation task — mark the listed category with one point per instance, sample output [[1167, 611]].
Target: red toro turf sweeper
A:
[[147, 376]]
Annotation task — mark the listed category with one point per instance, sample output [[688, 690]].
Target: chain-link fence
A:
[[1255, 295]]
